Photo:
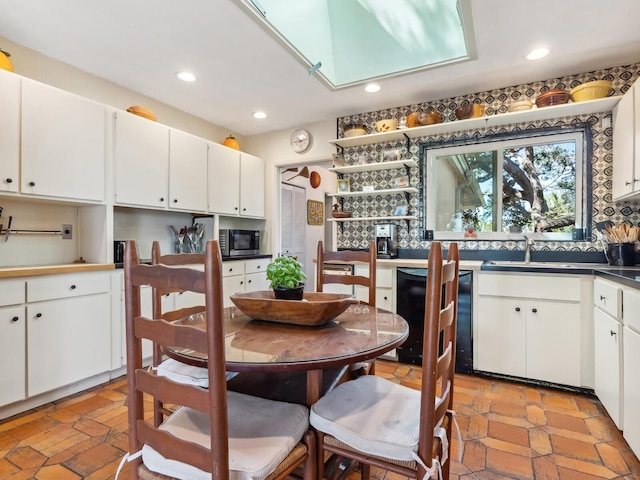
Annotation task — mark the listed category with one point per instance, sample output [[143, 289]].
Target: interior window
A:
[[497, 187]]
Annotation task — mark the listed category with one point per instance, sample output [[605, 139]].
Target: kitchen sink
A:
[[522, 263]]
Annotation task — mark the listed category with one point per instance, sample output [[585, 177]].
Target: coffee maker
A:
[[386, 245]]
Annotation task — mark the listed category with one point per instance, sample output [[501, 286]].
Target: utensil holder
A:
[[621, 254]]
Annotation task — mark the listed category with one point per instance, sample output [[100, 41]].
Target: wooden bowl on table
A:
[[316, 308]]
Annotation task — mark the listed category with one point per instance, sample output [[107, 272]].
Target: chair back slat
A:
[[167, 334], [348, 257], [168, 391]]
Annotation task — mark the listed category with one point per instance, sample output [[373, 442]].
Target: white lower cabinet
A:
[[529, 326], [631, 362], [608, 347], [240, 276], [68, 329], [12, 341], [385, 286]]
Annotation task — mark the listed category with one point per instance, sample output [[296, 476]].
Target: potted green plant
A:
[[287, 278]]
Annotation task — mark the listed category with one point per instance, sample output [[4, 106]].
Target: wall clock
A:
[[300, 140]]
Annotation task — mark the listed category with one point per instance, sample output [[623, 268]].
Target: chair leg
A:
[[311, 464], [365, 471]]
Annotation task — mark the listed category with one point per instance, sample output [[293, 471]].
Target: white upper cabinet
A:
[[187, 172], [626, 145], [224, 180], [63, 144], [9, 131], [251, 186], [236, 182], [141, 161]]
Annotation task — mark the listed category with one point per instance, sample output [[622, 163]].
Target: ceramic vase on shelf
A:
[[231, 142], [5, 63]]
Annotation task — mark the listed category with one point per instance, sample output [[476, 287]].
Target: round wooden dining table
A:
[[360, 333]]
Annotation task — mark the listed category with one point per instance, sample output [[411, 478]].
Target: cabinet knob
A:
[[517, 309], [175, 200], [162, 199], [386, 298], [38, 315], [534, 310], [249, 281], [613, 334], [626, 184], [603, 298], [9, 180], [259, 266], [244, 209], [236, 208], [72, 287], [32, 184], [241, 283], [15, 319]]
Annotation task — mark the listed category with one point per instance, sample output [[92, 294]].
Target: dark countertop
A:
[[629, 276], [224, 259]]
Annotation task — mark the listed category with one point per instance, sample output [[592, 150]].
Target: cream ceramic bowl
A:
[[520, 106], [354, 130], [590, 90], [387, 125]]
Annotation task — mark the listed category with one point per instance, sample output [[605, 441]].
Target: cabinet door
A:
[[63, 144], [68, 341], [631, 415], [12, 354], [187, 172], [141, 161], [384, 299], [607, 362], [224, 180], [231, 285], [251, 186], [553, 341], [501, 339], [624, 144], [9, 131], [255, 282]]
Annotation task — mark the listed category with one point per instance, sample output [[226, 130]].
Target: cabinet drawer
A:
[[12, 292], [62, 286], [526, 285], [256, 266], [229, 269], [631, 309], [608, 297]]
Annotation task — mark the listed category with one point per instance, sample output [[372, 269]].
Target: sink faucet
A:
[[527, 248]]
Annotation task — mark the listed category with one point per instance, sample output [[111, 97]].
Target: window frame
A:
[[581, 132]]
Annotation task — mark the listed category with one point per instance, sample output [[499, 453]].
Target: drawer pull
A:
[[15, 319], [72, 287], [517, 309], [534, 310], [32, 184], [613, 334], [603, 298], [38, 315], [9, 180]]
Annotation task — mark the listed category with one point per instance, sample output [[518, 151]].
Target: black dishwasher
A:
[[410, 305]]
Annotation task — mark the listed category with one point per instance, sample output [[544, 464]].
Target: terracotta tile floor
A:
[[509, 431]]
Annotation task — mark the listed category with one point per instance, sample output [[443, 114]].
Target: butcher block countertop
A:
[[11, 272]]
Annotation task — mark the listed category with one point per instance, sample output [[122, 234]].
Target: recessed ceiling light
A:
[[537, 53], [372, 88], [186, 76], [259, 115]]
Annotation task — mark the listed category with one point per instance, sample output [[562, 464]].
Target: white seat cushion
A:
[[372, 415], [188, 374], [261, 435]]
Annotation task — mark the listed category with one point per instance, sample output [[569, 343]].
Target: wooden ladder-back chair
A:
[[213, 432], [377, 422], [350, 257]]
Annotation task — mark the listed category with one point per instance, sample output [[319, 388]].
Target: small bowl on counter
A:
[[472, 110], [520, 106], [355, 130], [421, 119], [590, 90], [386, 125], [555, 96]]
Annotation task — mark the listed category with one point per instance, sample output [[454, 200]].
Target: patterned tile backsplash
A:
[[357, 234]]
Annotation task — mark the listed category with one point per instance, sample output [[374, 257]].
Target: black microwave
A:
[[234, 243]]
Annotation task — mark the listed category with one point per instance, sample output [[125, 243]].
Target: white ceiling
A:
[[141, 44]]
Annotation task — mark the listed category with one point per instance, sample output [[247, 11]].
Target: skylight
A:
[[347, 42]]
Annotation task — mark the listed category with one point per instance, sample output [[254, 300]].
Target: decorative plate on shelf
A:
[[316, 308]]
